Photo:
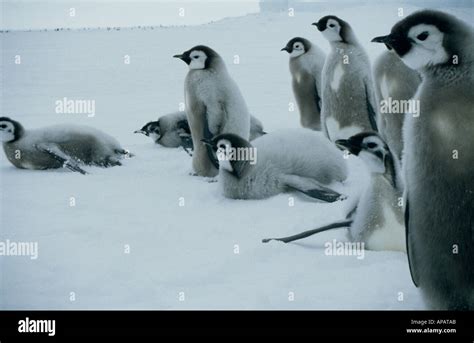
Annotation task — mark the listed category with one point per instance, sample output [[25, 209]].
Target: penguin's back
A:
[[303, 152]]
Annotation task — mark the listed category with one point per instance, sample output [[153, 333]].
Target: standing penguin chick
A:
[[171, 130], [348, 101], [394, 83], [377, 219], [295, 159], [438, 158], [306, 65], [214, 104], [61, 146]]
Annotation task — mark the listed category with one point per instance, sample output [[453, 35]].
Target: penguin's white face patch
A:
[[373, 154], [198, 59], [7, 131], [224, 151], [298, 49], [332, 31], [426, 47]]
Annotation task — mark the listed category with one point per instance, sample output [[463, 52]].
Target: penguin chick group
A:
[[430, 58], [437, 157], [377, 218]]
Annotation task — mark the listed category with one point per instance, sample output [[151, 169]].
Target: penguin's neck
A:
[[392, 170], [448, 73]]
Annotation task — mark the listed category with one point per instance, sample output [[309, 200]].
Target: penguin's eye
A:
[[3, 126], [422, 36], [371, 145], [331, 25]]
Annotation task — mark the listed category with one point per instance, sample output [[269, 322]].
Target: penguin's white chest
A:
[[391, 236], [385, 87], [337, 75]]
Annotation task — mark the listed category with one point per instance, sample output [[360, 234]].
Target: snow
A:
[[173, 248]]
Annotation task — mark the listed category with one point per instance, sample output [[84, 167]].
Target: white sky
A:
[[36, 14]]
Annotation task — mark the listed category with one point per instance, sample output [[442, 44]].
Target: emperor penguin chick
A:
[[438, 160], [61, 146], [171, 130], [214, 104], [394, 83], [306, 65], [287, 160], [377, 218], [348, 98]]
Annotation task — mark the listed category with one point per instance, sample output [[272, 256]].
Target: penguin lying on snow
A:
[[172, 130], [438, 159], [61, 146], [286, 160], [377, 219]]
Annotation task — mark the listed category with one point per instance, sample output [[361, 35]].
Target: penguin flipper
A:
[[312, 188], [56, 153], [308, 233], [370, 108], [414, 277], [208, 135]]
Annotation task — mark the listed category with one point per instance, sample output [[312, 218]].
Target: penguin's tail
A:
[[308, 233]]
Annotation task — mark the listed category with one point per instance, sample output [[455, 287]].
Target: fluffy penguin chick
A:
[[172, 130], [297, 159], [394, 82], [438, 160], [306, 65], [214, 104], [348, 98], [61, 146], [377, 219]]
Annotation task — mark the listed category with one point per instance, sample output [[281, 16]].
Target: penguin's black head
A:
[[151, 129], [370, 147], [297, 46], [428, 38], [333, 28], [10, 130], [235, 154], [199, 57]]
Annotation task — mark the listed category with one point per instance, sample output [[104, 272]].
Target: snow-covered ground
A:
[[176, 252]]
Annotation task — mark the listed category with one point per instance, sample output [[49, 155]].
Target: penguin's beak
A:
[[285, 49], [180, 56], [388, 40], [141, 131], [348, 144], [319, 25]]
